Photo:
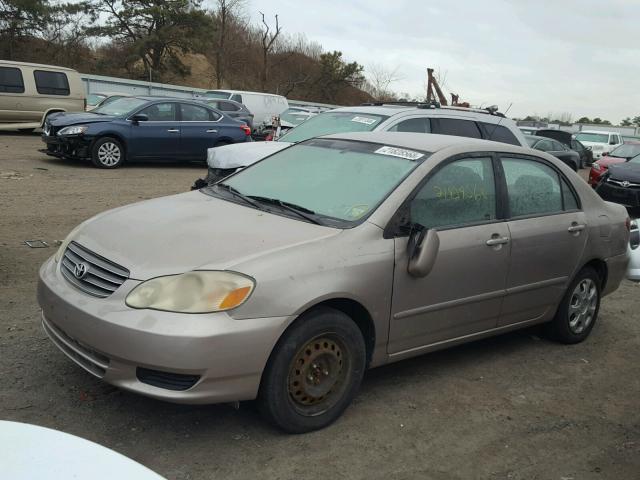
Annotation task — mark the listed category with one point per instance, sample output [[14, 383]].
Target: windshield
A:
[[625, 151], [333, 122], [94, 98], [218, 94], [593, 137], [121, 106], [338, 181], [294, 117], [635, 159]]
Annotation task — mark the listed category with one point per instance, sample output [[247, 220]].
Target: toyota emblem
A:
[[625, 184], [80, 270]]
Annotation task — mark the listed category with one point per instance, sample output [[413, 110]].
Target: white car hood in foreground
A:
[[240, 155], [30, 452]]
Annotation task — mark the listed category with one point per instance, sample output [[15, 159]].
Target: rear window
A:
[[498, 133], [11, 80], [51, 83], [217, 94], [460, 128], [333, 122]]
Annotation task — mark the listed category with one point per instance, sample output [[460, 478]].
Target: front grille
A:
[[623, 183], [166, 380], [89, 359], [90, 272]]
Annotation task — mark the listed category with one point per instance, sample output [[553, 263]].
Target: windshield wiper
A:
[[236, 193], [302, 212]]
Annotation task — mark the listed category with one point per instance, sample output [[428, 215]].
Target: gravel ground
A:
[[512, 407]]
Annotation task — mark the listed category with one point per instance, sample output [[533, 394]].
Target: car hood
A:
[[625, 171], [605, 161], [74, 118], [559, 135], [190, 231], [240, 155]]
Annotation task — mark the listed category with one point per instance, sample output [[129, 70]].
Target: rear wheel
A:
[[107, 152], [578, 310], [314, 372]]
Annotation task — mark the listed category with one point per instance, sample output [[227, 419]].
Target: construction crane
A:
[[432, 84]]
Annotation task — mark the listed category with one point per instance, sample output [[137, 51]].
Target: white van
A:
[[263, 105], [30, 91], [600, 142]]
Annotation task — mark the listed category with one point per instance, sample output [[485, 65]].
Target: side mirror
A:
[[139, 117], [423, 251]]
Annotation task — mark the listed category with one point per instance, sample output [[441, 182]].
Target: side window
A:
[[160, 112], [11, 80], [544, 146], [194, 113], [569, 198], [461, 128], [462, 192], [51, 83], [498, 133], [416, 125], [236, 97], [229, 107], [613, 139], [557, 146], [533, 187]]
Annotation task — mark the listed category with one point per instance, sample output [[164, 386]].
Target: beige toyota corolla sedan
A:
[[286, 281]]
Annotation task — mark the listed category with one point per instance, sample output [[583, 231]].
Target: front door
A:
[[463, 293], [548, 236], [157, 138]]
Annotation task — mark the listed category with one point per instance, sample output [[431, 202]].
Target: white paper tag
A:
[[365, 120], [399, 152]]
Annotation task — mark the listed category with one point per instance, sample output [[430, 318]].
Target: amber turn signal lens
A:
[[235, 298]]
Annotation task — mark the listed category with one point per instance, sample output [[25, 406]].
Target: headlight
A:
[[193, 292], [73, 130], [596, 166]]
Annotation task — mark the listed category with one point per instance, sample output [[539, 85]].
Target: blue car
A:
[[141, 128]]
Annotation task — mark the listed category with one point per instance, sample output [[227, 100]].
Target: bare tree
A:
[[267, 39], [379, 79], [225, 11]]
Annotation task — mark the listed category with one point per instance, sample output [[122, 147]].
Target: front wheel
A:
[[107, 152], [578, 310], [314, 372]]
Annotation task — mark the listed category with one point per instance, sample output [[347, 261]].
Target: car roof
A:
[[606, 132], [10, 63], [426, 142], [390, 110]]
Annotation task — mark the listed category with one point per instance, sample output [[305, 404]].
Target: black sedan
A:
[[557, 149], [232, 109], [621, 183], [141, 128]]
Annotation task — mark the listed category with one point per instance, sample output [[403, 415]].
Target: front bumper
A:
[[74, 146], [212, 358], [633, 271], [629, 197]]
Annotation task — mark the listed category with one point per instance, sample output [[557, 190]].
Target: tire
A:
[[107, 152], [314, 372], [578, 310]]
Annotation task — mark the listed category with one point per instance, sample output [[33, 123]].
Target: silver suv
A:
[[486, 124]]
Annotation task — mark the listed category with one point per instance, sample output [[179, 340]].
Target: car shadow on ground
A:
[[53, 161]]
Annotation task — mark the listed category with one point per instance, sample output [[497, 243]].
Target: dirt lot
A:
[[513, 407]]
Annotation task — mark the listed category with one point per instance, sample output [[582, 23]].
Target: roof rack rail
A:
[[492, 110]]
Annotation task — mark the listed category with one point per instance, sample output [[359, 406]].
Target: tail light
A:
[[246, 129]]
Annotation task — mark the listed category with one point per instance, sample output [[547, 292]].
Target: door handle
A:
[[496, 240], [575, 228], [173, 130], [211, 130]]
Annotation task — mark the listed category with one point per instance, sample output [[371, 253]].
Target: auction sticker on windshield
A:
[[399, 152], [365, 120]]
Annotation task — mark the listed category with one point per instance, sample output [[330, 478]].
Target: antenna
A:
[[499, 121]]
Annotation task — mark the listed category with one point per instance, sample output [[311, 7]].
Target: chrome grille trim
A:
[[102, 278], [620, 182]]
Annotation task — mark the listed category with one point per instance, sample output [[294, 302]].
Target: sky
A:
[[540, 57]]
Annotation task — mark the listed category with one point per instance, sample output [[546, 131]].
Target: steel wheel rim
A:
[[582, 306], [109, 154], [318, 375]]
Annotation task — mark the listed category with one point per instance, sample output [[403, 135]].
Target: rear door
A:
[[463, 293], [548, 233], [200, 129], [159, 136]]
